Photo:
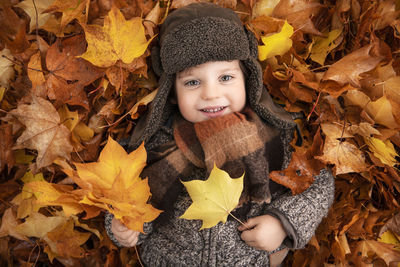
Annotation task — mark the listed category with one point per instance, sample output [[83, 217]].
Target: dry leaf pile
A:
[[74, 72]]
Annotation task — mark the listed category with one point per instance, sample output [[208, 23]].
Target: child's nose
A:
[[210, 91]]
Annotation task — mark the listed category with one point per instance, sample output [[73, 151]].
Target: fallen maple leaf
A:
[[118, 39], [348, 69], [65, 241], [299, 175], [298, 13], [35, 12], [113, 183], [76, 9], [323, 46], [6, 67], [142, 102], [346, 156], [276, 44], [8, 224], [213, 199], [44, 131], [383, 150], [36, 76]]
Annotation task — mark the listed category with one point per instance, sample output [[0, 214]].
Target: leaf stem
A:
[[237, 219]]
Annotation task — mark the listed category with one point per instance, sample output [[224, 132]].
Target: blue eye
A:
[[192, 83], [226, 78]]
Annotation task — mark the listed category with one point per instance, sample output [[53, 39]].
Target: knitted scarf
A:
[[236, 143]]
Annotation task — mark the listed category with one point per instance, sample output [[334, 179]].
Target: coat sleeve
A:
[[147, 229], [301, 214]]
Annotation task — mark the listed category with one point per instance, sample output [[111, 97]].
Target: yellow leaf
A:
[[323, 46], [389, 237], [213, 199], [56, 195], [22, 158], [38, 225], [80, 131], [113, 184], [142, 102], [276, 44], [383, 150], [118, 39]]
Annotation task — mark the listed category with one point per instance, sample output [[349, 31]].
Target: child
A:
[[212, 107]]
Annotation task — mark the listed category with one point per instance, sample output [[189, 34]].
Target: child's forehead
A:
[[220, 65]]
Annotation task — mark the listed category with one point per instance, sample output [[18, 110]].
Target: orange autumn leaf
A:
[[65, 241], [118, 39], [113, 183], [299, 175]]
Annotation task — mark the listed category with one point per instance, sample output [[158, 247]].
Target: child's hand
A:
[[265, 232], [125, 236]]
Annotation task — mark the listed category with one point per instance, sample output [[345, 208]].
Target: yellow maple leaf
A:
[[324, 45], [80, 131], [113, 183], [383, 150], [213, 199], [276, 44], [118, 39]]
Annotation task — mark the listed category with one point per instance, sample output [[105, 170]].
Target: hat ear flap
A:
[[156, 60], [253, 44]]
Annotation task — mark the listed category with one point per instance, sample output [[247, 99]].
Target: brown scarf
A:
[[237, 143]]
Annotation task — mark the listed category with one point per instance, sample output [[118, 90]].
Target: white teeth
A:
[[213, 110]]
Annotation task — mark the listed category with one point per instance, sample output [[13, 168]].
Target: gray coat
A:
[[170, 241]]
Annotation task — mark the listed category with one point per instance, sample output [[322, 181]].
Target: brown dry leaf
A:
[[8, 224], [298, 176], [364, 129], [7, 157], [298, 13], [72, 9], [6, 69], [335, 130], [392, 92], [368, 248], [36, 76], [44, 132], [65, 241], [181, 3], [31, 7], [12, 30], [142, 102], [346, 156], [380, 111], [348, 69], [69, 73]]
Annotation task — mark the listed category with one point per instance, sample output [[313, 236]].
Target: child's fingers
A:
[[249, 224], [118, 226]]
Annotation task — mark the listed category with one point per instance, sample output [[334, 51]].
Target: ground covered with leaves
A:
[[74, 73]]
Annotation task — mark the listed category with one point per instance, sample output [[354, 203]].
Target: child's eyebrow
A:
[[184, 73]]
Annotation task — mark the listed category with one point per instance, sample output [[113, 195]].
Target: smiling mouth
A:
[[212, 110]]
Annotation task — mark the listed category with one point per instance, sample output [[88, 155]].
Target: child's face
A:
[[210, 90]]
